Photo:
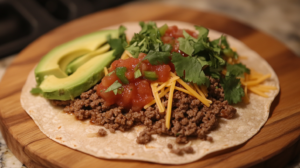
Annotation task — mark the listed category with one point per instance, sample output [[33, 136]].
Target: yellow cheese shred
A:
[[193, 92], [169, 108], [105, 71], [161, 108], [204, 90], [257, 81], [167, 83], [254, 90], [198, 90], [161, 94], [183, 90]]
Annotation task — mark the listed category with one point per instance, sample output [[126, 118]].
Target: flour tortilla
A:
[[81, 135]]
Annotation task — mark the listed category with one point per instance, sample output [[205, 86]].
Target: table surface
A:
[[254, 13]]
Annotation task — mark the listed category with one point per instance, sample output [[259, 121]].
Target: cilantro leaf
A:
[[114, 87], [237, 70], [202, 31], [189, 68], [120, 72], [137, 74], [233, 92], [146, 40], [36, 91], [118, 44], [110, 73], [185, 46], [157, 57]]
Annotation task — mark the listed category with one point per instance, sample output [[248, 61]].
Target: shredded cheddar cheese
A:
[[169, 108], [161, 94], [193, 92], [105, 71], [253, 82], [161, 108]]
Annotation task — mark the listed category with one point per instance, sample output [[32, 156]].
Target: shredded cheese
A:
[[193, 92], [183, 90], [254, 90], [169, 108], [128, 53], [257, 81], [198, 90], [105, 71], [204, 90], [161, 108], [161, 94], [167, 83]]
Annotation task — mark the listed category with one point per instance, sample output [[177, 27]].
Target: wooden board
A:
[[273, 146]]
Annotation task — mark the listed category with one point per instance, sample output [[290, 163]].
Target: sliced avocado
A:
[[81, 80], [73, 66], [62, 55]]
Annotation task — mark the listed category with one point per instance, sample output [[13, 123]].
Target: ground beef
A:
[[190, 118], [60, 102], [181, 151], [102, 132]]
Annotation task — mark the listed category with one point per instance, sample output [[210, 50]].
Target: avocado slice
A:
[[59, 57], [81, 80], [74, 65]]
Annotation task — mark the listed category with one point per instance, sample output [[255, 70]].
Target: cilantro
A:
[[185, 46], [110, 73], [36, 91], [177, 134], [118, 44], [232, 89], [202, 31], [157, 57], [166, 47], [148, 39], [114, 87], [237, 70], [190, 69], [137, 74], [120, 72]]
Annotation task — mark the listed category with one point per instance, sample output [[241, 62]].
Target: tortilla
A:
[[81, 135]]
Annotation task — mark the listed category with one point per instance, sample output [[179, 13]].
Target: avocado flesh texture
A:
[[73, 66], [81, 80], [62, 55]]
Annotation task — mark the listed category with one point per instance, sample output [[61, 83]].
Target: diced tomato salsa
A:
[[138, 92]]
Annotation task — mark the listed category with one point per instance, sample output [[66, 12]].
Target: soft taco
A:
[[223, 106]]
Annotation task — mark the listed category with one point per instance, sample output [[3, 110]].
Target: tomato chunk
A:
[[137, 93]]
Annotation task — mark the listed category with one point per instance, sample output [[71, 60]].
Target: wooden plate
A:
[[273, 146]]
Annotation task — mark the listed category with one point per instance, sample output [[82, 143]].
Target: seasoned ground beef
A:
[[181, 151], [190, 118], [102, 132]]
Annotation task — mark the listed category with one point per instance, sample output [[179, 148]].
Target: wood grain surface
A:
[[273, 146]]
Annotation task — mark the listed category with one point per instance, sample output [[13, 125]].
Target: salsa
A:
[[137, 93]]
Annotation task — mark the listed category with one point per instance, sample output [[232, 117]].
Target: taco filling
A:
[[174, 82]]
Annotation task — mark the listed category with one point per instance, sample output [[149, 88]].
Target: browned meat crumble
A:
[[190, 118]]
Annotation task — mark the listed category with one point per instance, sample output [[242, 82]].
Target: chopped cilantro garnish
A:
[[190, 69], [237, 70], [148, 39], [137, 74], [120, 72], [118, 44], [110, 73], [157, 57], [232, 89], [36, 91], [114, 87]]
